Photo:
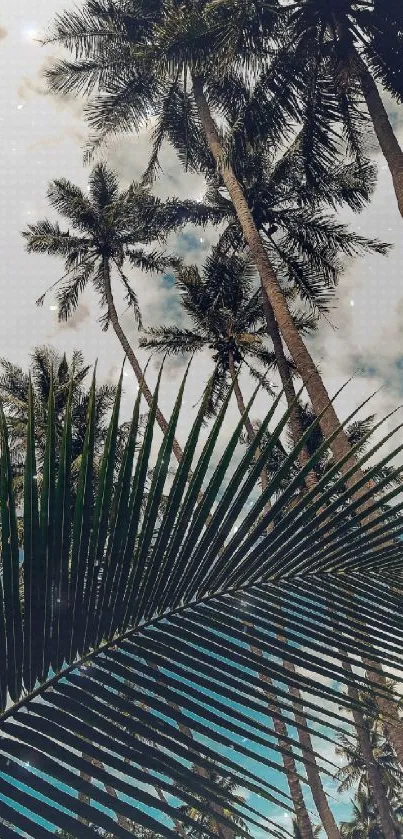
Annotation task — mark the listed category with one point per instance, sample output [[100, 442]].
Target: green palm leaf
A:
[[146, 640], [10, 554]]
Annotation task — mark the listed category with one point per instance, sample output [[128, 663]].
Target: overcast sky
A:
[[43, 137]]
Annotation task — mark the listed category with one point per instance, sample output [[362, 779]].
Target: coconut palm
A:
[[354, 772], [110, 229], [363, 824], [127, 597], [328, 60], [14, 389], [226, 315], [358, 45], [223, 323], [227, 319], [140, 61], [305, 242]]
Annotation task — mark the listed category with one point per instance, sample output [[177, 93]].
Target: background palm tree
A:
[[363, 824], [205, 822], [348, 49], [353, 772], [110, 228], [14, 388], [226, 313], [306, 244]]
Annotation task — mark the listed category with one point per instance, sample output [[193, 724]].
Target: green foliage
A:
[[226, 316], [110, 230], [130, 663], [14, 393], [352, 774]]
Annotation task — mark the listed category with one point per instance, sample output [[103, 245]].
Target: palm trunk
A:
[[288, 387], [303, 361], [392, 724], [178, 826], [247, 420], [311, 766], [133, 360], [371, 768], [374, 778], [223, 831], [387, 139], [280, 728]]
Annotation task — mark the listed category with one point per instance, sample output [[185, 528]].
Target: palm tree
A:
[[227, 318], [223, 322], [127, 596], [109, 227], [363, 824], [142, 60], [354, 771], [205, 822], [306, 244], [358, 45], [14, 389]]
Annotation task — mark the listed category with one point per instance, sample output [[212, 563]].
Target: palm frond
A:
[[165, 614], [171, 340]]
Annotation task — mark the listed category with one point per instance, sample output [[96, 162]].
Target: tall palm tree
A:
[[354, 771], [359, 46], [110, 228], [305, 242], [227, 318], [140, 60]]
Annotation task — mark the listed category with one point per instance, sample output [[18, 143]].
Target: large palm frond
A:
[[118, 614]]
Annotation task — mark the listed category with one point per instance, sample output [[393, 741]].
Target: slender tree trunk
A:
[[223, 831], [247, 421], [374, 778], [134, 362], [303, 361], [387, 139], [371, 768], [280, 728], [288, 387], [311, 766], [392, 724], [178, 826]]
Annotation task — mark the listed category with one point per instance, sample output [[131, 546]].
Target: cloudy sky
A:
[[43, 137]]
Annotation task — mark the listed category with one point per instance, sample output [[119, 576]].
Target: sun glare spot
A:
[[30, 33]]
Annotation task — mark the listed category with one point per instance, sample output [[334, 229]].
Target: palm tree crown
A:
[[46, 365], [226, 312], [108, 226], [306, 243], [344, 48]]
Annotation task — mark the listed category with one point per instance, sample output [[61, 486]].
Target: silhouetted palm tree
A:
[[346, 50], [14, 387], [110, 229]]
